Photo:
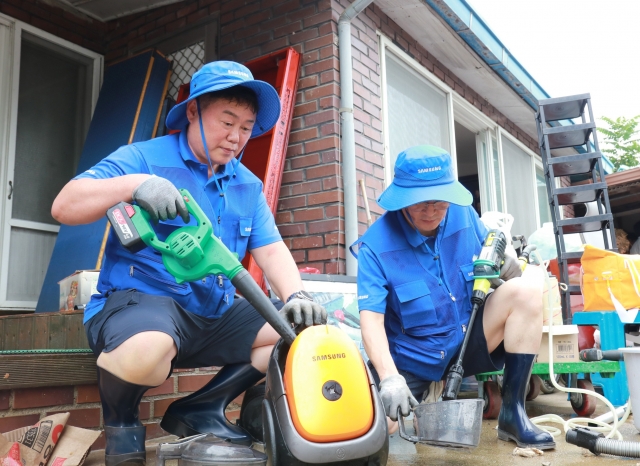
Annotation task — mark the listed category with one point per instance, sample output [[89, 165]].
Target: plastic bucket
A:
[[453, 424], [632, 364]]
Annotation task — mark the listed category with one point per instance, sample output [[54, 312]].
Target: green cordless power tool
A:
[[191, 253]]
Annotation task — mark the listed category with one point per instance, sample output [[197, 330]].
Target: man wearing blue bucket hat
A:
[[142, 324], [415, 278]]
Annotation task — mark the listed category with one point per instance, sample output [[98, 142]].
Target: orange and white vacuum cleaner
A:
[[321, 404]]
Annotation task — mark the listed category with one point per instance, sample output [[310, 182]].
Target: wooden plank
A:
[[25, 332], [75, 332], [41, 331], [46, 370], [11, 330], [57, 331]]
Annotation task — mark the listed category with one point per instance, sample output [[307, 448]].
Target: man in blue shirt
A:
[[415, 278], [142, 324]]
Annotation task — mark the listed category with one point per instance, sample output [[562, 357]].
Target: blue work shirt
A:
[[241, 218], [422, 285]]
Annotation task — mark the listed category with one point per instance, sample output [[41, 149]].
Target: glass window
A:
[[543, 200], [519, 189], [497, 179], [418, 113]]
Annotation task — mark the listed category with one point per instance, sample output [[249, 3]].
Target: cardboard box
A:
[[565, 344], [77, 288]]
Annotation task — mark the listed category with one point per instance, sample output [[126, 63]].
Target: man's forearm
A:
[[280, 269], [87, 200], [376, 344]]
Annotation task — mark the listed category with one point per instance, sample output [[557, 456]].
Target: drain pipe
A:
[[348, 133]]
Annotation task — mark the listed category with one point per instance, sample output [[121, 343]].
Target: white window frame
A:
[[9, 87]]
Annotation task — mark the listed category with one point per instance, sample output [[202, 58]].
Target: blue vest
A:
[[213, 295], [426, 316]]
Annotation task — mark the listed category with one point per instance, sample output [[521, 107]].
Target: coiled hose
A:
[[597, 443]]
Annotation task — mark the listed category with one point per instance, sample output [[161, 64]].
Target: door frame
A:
[[9, 86]]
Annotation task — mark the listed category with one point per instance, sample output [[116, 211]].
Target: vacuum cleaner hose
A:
[[596, 443], [246, 285]]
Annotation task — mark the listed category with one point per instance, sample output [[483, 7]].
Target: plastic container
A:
[[632, 364]]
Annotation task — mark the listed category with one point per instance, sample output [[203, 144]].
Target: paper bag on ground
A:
[[36, 443], [73, 447]]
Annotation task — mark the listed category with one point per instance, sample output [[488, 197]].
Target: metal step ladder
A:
[[557, 132]]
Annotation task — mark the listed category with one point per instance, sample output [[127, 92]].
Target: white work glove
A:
[[304, 312], [395, 394], [510, 269], [160, 199]]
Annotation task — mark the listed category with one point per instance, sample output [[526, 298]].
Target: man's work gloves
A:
[[160, 199], [395, 394], [511, 268], [304, 313]]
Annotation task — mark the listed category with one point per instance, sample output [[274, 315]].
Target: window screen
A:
[[518, 175], [418, 112]]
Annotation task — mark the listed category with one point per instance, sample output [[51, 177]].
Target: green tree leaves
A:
[[622, 137]]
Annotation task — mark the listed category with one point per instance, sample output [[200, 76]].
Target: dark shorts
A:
[[476, 360], [201, 342]]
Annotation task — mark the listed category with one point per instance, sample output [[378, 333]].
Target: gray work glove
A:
[[160, 199], [395, 394], [304, 313], [510, 269]]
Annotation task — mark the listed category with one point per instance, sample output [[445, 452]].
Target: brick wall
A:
[[58, 20], [26, 406]]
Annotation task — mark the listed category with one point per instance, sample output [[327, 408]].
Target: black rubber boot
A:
[[203, 411], [124, 432], [513, 422]]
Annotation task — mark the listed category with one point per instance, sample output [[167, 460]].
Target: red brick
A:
[[324, 226], [321, 144], [99, 443], [304, 215], [288, 29], [306, 187], [336, 268], [165, 389], [299, 256], [334, 211], [38, 397], [322, 171], [306, 160], [155, 431], [301, 14], [327, 253], [87, 394], [324, 198], [292, 176], [322, 65], [283, 217], [329, 128], [145, 410], [333, 238], [292, 203], [191, 383], [303, 109], [304, 135], [309, 81], [297, 38], [275, 45], [317, 19], [87, 417], [4, 399], [322, 91], [160, 406], [294, 229], [329, 76], [15, 422], [319, 117], [331, 183], [307, 242], [280, 8], [321, 42]]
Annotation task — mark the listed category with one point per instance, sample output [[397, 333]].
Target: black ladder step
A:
[[564, 108], [567, 165], [571, 257], [585, 224], [574, 289], [580, 193], [568, 136]]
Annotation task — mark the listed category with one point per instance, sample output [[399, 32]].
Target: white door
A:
[[53, 86], [489, 171]]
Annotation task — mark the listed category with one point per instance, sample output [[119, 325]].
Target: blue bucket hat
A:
[[423, 173], [219, 75]]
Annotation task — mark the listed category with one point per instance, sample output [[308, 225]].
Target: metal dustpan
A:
[[450, 424]]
